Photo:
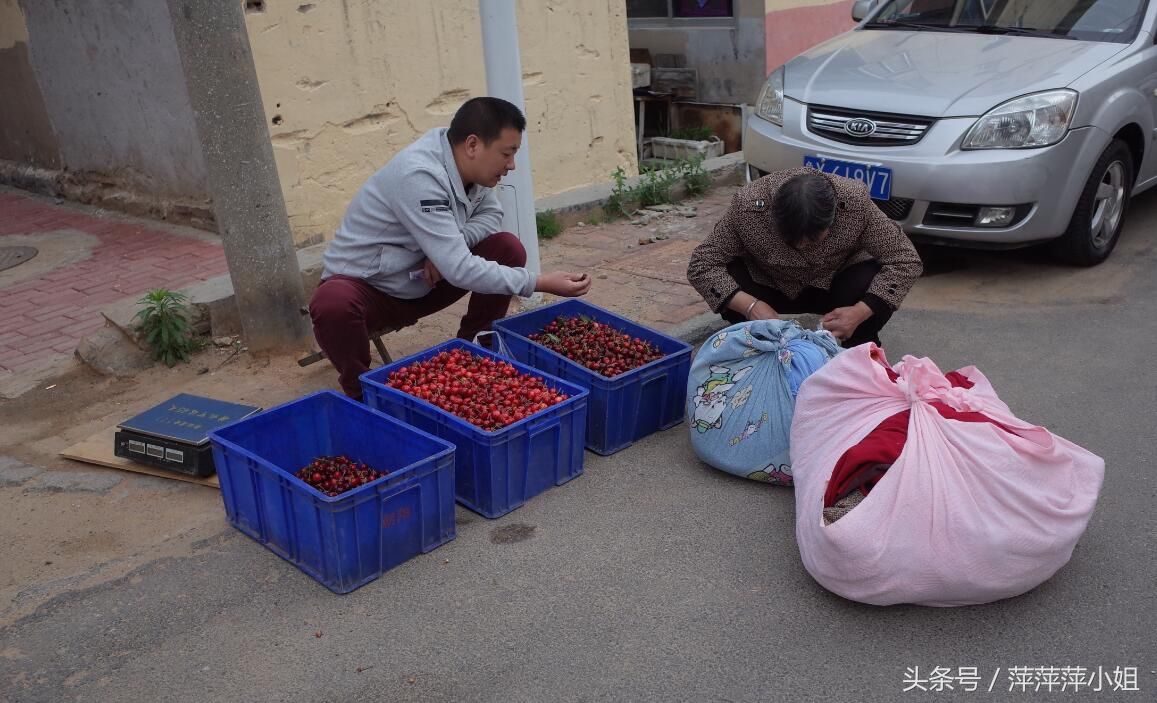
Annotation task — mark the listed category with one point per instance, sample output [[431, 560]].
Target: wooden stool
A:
[[375, 337]]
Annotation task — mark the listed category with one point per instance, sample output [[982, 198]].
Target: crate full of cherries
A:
[[637, 377], [517, 431]]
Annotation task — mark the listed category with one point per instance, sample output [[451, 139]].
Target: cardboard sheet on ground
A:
[[98, 449]]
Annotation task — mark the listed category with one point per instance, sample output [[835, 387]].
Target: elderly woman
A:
[[803, 241]]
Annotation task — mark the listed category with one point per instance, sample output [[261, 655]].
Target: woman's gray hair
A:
[[804, 207]]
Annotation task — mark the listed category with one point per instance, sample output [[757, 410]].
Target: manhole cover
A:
[[14, 256]]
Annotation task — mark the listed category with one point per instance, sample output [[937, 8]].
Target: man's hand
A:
[[842, 322], [433, 275], [567, 285]]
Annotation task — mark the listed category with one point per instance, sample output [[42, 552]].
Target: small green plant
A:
[[548, 224], [616, 205], [695, 134], [655, 187], [164, 324], [695, 179]]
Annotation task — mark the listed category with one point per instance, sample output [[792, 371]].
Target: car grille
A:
[[951, 214], [895, 208], [890, 130]]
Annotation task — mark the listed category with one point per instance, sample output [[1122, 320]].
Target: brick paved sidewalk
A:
[[88, 261], [645, 282]]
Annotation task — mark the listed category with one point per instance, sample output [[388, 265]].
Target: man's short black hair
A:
[[804, 207], [485, 118]]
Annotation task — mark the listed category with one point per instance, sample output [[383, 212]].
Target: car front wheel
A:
[[1100, 213]]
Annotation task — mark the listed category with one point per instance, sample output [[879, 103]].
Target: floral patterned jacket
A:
[[860, 232]]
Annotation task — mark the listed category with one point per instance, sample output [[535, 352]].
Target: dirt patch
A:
[[95, 540], [56, 542]]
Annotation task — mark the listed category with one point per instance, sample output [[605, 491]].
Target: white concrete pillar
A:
[[504, 80]]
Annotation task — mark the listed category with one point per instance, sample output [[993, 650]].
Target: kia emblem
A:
[[860, 127]]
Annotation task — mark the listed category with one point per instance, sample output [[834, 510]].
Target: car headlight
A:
[[1031, 121], [769, 106]]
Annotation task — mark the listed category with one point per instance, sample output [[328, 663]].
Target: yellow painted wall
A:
[[347, 83], [12, 26]]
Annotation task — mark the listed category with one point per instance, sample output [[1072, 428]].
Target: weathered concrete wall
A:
[[348, 84], [114, 94], [25, 132], [730, 59], [794, 26]]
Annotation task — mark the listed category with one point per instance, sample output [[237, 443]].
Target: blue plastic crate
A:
[[348, 540], [623, 409], [495, 472]]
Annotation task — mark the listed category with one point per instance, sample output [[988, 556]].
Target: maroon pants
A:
[[345, 310]]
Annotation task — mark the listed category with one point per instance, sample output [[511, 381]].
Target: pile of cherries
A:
[[596, 345], [334, 475], [485, 392]]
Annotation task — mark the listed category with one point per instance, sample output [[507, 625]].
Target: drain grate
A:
[[14, 256]]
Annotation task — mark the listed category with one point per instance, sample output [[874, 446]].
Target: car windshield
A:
[[1087, 20]]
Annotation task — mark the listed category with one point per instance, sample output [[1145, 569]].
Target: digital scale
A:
[[175, 434]]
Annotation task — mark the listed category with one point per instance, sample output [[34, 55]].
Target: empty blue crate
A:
[[348, 540], [495, 472], [623, 409]]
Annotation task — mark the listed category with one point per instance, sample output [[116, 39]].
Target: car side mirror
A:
[[861, 9]]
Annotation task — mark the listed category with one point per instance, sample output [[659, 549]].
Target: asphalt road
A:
[[654, 578]]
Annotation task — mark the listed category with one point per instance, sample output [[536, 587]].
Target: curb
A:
[[696, 330], [574, 205], [88, 188]]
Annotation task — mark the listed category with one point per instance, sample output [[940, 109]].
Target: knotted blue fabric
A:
[[741, 395]]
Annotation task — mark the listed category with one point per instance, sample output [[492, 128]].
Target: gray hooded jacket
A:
[[416, 208]]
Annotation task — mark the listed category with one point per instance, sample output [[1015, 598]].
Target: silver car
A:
[[993, 123]]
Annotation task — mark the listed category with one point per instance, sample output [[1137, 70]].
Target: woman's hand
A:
[[751, 307], [842, 322], [762, 311]]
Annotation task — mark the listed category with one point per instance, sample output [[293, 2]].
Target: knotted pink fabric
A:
[[970, 512]]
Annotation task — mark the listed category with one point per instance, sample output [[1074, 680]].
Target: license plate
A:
[[878, 178]]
